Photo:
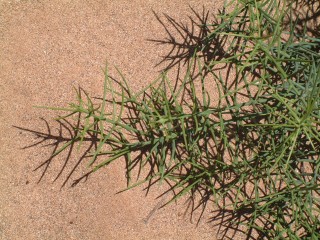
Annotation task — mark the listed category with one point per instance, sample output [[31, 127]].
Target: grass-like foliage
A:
[[254, 151]]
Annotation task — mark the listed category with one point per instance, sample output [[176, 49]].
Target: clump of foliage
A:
[[254, 151]]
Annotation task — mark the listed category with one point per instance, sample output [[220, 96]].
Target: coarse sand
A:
[[47, 47]]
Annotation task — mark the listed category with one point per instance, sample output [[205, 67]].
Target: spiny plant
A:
[[254, 151], [280, 71]]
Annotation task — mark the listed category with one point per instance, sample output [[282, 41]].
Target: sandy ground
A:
[[46, 48]]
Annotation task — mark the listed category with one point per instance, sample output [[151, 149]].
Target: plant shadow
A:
[[64, 139], [306, 15], [145, 164], [186, 42], [195, 41]]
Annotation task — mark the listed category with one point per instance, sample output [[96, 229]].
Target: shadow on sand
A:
[[185, 41]]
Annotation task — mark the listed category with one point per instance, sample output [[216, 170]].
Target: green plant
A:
[[280, 71], [256, 149]]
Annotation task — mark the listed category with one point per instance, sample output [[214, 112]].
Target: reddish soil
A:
[[46, 48]]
